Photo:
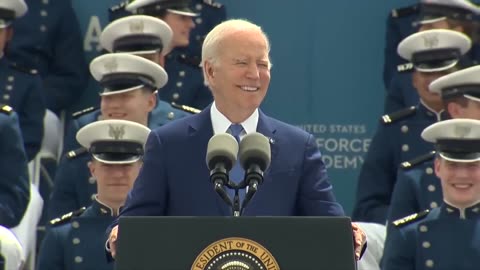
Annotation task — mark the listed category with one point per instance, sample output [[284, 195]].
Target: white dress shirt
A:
[[221, 124]]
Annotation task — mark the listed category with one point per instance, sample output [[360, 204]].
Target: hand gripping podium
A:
[[235, 243]]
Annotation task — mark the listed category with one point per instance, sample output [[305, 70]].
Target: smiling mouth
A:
[[117, 115], [249, 88], [462, 186]]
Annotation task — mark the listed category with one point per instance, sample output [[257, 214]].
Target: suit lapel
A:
[[199, 132], [265, 126]]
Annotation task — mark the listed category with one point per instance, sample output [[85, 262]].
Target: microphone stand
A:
[[236, 210], [253, 178], [236, 206], [219, 177]]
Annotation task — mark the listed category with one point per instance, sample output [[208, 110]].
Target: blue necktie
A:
[[237, 173]]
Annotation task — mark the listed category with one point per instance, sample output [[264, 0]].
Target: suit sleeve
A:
[[149, 194], [14, 182], [376, 180], [316, 193]]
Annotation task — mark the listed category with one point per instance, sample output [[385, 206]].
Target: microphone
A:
[[222, 152], [255, 157]]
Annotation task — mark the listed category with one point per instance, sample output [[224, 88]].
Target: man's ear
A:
[[152, 101], [209, 69], [208, 72], [91, 168], [436, 164]]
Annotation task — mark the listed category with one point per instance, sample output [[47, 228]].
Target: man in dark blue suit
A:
[[175, 180], [424, 240]]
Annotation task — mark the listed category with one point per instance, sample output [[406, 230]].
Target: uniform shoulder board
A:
[[212, 3], [24, 69], [5, 109], [190, 60], [186, 108], [405, 67], [406, 165], [76, 153], [411, 218], [76, 115], [405, 11], [67, 217], [398, 115]]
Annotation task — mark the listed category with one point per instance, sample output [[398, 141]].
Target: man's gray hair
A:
[[211, 44]]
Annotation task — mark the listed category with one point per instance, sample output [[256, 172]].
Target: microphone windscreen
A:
[[254, 148], [222, 147]]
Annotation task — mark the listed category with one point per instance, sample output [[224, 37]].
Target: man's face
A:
[[240, 76], [421, 80], [181, 26], [114, 181], [471, 111], [5, 36], [460, 181], [132, 105]]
